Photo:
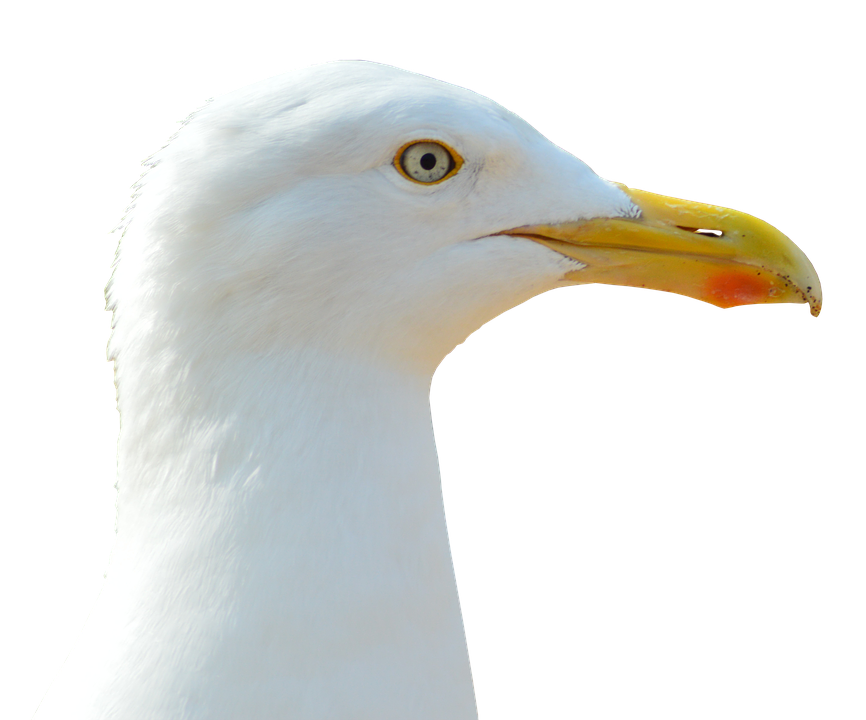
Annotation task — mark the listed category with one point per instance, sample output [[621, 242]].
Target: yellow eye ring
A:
[[427, 162]]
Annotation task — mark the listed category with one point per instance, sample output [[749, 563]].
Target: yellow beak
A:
[[710, 253]]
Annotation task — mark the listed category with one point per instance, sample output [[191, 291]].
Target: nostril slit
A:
[[707, 232]]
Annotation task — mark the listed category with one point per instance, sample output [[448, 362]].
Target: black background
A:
[[633, 479]]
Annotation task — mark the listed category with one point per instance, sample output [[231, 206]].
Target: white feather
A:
[[281, 299]]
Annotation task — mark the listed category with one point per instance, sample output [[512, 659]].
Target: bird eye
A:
[[427, 162]]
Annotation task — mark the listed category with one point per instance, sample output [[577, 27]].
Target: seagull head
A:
[[357, 208]]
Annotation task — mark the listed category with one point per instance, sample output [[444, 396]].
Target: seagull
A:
[[296, 263]]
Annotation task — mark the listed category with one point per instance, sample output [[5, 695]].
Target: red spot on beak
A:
[[738, 287]]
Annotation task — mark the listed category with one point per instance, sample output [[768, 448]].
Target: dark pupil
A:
[[428, 161]]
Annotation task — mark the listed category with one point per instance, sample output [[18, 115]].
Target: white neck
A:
[[282, 551]]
